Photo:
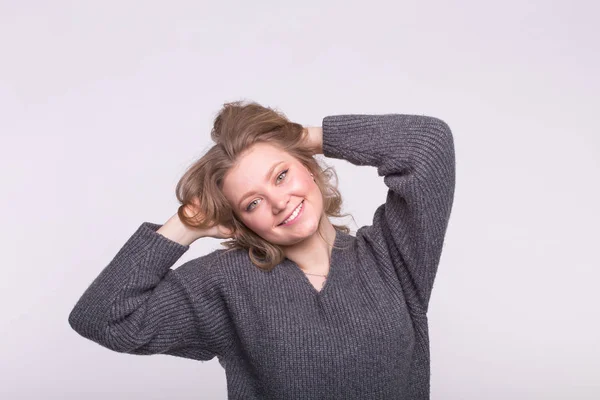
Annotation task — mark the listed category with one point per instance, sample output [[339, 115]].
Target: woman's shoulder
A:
[[232, 259], [220, 259], [213, 269]]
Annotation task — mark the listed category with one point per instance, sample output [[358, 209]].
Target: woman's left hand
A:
[[314, 138]]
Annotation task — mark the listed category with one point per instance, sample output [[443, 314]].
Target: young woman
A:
[[295, 307]]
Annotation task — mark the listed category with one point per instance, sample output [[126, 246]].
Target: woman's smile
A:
[[294, 216]]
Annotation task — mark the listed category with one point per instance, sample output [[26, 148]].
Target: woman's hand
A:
[[175, 230], [314, 138], [216, 231]]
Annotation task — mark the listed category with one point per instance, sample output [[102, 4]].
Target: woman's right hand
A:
[[177, 231], [217, 231]]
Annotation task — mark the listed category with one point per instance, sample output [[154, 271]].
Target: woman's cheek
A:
[[300, 183], [257, 221]]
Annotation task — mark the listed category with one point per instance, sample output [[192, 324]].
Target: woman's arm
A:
[[139, 305], [415, 154], [314, 139], [176, 231]]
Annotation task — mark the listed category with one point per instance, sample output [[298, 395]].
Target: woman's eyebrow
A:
[[267, 176]]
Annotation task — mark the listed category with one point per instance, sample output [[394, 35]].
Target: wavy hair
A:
[[237, 127]]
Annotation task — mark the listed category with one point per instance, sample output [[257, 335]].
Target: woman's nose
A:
[[281, 204]]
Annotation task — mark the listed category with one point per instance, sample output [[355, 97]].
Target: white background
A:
[[104, 104]]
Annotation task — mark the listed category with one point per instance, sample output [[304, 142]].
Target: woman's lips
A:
[[297, 216]]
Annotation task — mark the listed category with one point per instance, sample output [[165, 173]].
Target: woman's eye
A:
[[284, 172], [250, 208]]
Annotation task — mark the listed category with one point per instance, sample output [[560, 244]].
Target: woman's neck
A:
[[313, 254]]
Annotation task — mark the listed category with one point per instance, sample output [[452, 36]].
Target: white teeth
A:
[[294, 214]]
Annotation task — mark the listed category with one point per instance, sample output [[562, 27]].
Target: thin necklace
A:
[[324, 276]]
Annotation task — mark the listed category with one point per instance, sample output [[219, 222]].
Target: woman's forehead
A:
[[256, 165], [261, 156]]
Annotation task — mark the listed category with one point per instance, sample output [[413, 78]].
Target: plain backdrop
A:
[[104, 104]]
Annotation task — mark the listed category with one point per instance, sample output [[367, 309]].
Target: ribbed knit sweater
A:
[[364, 335]]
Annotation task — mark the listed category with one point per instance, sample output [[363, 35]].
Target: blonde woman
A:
[[295, 307]]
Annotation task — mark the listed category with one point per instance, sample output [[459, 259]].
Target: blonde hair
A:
[[237, 127]]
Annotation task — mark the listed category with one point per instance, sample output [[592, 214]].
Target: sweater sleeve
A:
[[415, 155], [139, 305]]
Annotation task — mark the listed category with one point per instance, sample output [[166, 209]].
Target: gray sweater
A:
[[364, 335]]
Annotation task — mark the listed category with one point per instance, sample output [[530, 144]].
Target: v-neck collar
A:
[[299, 275]]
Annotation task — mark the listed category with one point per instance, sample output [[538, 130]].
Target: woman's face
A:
[[266, 186]]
